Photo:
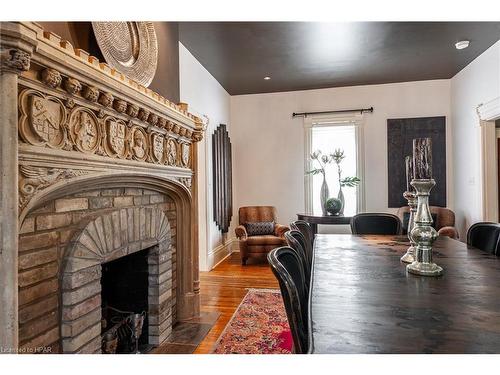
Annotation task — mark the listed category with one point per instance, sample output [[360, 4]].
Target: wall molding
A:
[[490, 110], [221, 252]]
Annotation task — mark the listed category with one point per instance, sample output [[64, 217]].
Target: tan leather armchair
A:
[[258, 246], [445, 220]]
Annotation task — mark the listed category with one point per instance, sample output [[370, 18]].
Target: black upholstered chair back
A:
[[296, 241], [304, 228], [375, 223], [485, 236], [287, 267]]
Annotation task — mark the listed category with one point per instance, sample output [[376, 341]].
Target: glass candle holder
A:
[[411, 197], [423, 234]]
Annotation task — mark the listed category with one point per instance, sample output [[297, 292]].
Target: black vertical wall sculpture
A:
[[222, 177]]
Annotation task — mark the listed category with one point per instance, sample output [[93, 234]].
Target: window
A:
[[328, 134]]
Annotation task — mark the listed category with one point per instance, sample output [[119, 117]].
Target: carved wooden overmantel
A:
[[70, 120]]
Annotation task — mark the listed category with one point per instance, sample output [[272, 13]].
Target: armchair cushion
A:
[[264, 240], [259, 228]]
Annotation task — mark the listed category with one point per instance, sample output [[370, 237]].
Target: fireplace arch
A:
[[184, 284], [187, 294], [106, 238]]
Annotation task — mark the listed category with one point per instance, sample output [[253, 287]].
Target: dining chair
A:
[[296, 241], [375, 223], [485, 236], [304, 228], [287, 267]]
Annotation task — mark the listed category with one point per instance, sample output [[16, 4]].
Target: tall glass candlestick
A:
[[411, 197], [422, 158], [423, 234], [409, 173]]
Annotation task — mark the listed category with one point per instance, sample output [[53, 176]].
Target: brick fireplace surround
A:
[[95, 167]]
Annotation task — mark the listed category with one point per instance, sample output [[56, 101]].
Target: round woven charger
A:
[[129, 47]]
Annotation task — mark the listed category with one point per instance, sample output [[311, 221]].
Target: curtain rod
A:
[[360, 110]]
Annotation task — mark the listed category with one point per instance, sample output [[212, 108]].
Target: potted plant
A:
[[323, 160], [338, 156]]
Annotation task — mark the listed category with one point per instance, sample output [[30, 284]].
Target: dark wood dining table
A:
[[362, 299]]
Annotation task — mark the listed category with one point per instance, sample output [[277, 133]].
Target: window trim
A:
[[311, 122]]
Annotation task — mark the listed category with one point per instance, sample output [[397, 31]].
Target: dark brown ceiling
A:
[[308, 55]]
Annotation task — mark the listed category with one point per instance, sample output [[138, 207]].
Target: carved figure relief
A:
[[157, 142], [171, 152], [186, 181], [34, 179], [143, 114], [197, 136], [139, 144], [14, 60], [120, 105], [69, 103], [132, 110], [90, 93], [46, 118], [72, 86], [85, 130], [42, 119], [116, 138], [106, 99], [51, 77], [153, 119], [185, 154]]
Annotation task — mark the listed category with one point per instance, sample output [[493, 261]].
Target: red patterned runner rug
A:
[[258, 326]]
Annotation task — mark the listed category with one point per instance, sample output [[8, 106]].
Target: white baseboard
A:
[[221, 252]]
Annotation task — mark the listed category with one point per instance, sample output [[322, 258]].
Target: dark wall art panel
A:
[[222, 174], [400, 135]]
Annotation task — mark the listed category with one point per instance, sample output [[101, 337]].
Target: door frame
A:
[[488, 113]]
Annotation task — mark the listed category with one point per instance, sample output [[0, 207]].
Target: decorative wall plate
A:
[[129, 47]]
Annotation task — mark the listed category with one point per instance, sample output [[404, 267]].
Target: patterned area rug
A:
[[258, 326]]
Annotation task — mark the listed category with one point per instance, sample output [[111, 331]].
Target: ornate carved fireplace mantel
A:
[[70, 124]]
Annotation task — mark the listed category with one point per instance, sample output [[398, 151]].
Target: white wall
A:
[[269, 145], [205, 96], [477, 83]]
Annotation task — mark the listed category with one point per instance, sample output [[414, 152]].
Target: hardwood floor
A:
[[223, 289]]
